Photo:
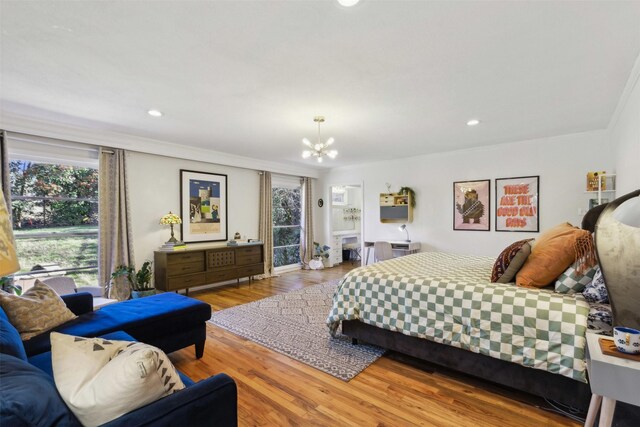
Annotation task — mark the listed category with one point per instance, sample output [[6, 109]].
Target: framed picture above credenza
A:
[[203, 206]]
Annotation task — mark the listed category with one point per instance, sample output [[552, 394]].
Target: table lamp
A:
[[618, 246], [171, 219], [403, 227], [8, 258]]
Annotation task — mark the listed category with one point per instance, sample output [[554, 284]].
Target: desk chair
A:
[[382, 251]]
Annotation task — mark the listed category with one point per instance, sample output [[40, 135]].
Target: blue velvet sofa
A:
[[27, 389]]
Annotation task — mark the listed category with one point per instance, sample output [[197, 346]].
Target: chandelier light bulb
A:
[[318, 149]]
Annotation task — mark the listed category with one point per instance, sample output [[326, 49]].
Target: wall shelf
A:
[[395, 207]]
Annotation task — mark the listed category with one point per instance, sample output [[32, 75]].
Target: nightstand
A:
[[611, 379]]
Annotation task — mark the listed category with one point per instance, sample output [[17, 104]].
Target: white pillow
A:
[[101, 380]]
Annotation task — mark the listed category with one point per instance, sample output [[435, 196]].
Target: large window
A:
[[55, 218], [287, 219]]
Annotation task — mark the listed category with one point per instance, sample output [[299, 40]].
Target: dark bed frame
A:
[[555, 387], [537, 382]]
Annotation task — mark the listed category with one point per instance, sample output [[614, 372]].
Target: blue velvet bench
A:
[[168, 321], [30, 398]]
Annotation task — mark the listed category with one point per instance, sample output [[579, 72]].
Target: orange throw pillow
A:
[[551, 255]]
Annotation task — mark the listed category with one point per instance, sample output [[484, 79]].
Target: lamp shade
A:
[[170, 218], [8, 258], [618, 245]]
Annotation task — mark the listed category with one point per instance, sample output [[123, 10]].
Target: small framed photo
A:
[[472, 205], [203, 206], [518, 204]]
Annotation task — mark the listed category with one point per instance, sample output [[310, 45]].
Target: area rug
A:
[[294, 324]]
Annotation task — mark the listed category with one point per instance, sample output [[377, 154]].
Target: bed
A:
[[442, 308]]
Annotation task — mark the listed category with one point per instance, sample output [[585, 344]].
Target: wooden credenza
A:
[[195, 267]]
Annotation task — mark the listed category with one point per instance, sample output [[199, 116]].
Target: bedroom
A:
[[397, 90]]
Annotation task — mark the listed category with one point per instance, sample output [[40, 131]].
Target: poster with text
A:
[[471, 205], [518, 204], [203, 206]]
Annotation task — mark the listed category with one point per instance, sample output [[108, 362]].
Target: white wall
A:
[[562, 163], [154, 188], [625, 136]]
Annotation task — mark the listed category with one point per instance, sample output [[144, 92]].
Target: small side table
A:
[[611, 379]]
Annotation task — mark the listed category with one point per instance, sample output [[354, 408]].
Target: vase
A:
[[316, 264]]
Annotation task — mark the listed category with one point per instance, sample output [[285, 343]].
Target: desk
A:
[[611, 379], [400, 246]]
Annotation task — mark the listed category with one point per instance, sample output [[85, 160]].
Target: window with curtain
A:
[[287, 220], [54, 203]]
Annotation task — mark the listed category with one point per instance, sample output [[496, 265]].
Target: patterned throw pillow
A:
[[36, 311], [599, 319], [101, 380], [510, 260], [571, 282], [596, 292]]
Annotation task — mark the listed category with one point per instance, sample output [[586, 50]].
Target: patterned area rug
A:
[[295, 324]]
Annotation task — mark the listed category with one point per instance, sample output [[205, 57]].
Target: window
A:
[[287, 219], [54, 204]]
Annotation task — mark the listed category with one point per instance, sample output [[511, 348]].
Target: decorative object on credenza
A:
[[408, 191], [518, 204], [617, 236], [319, 149], [138, 282], [203, 199], [237, 236], [403, 227], [472, 205], [171, 219]]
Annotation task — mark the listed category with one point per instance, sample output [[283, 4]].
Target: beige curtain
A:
[[4, 171], [265, 226], [115, 241], [306, 235]]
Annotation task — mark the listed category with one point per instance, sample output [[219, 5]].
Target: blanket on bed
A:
[[448, 299]]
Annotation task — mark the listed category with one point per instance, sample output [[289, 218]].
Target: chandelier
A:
[[318, 150]]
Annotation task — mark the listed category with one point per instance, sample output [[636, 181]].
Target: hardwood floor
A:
[[274, 390]]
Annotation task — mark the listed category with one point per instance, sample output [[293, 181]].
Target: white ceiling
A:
[[393, 78]]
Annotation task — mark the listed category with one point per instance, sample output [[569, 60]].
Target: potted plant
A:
[[408, 191], [139, 281], [320, 255]]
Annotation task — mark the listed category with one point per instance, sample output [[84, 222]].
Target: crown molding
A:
[[105, 138]]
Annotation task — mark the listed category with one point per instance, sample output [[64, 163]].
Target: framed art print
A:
[[472, 205], [518, 204], [203, 206]]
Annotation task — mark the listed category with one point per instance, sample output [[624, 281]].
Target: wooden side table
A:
[[611, 379]]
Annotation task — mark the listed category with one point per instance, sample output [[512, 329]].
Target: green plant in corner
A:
[[409, 192], [139, 281]]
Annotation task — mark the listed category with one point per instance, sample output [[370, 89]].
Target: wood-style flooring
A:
[[274, 390]]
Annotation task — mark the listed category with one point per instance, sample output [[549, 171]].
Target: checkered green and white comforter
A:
[[449, 299]]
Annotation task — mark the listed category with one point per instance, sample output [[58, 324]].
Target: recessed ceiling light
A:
[[348, 3], [473, 122], [154, 113]]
